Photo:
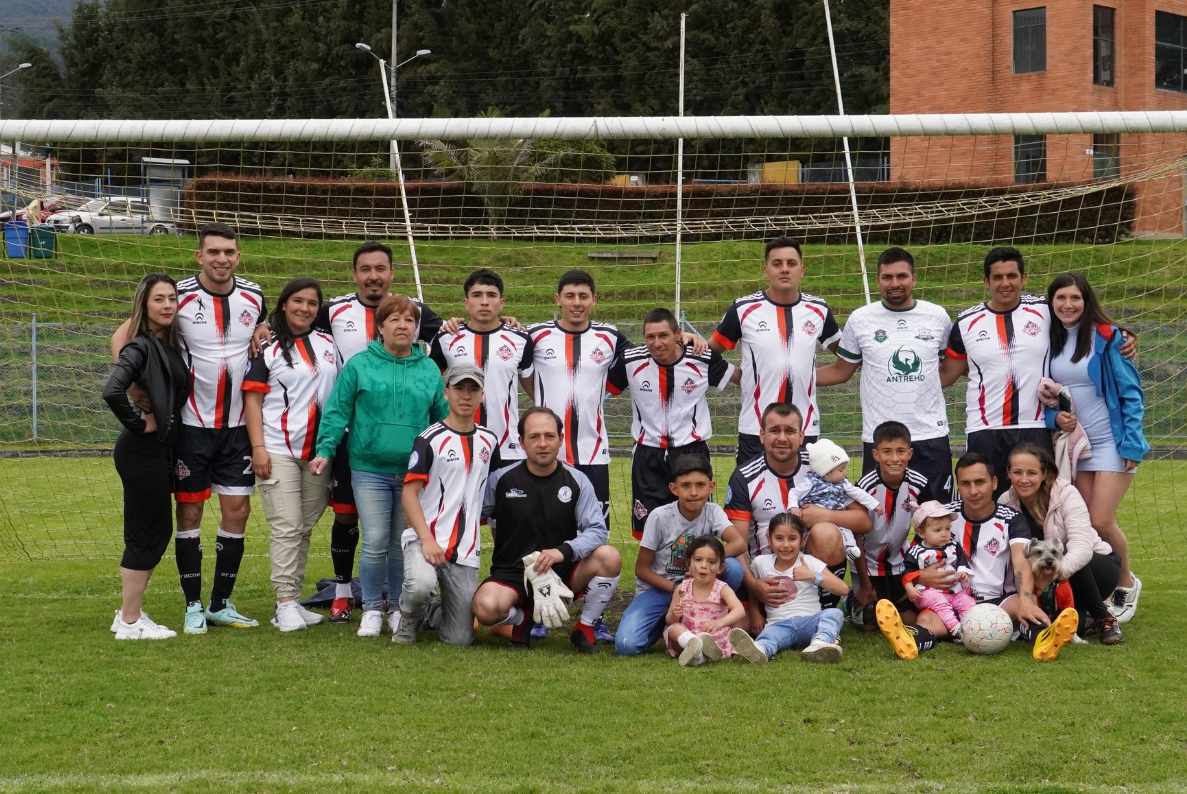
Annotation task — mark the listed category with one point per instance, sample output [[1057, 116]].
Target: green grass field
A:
[[254, 710]]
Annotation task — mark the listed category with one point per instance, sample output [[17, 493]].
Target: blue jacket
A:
[[1116, 380]]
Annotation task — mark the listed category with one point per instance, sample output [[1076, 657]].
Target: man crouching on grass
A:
[[550, 541]]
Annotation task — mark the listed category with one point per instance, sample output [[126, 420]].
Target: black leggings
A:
[[1095, 582], [143, 464]]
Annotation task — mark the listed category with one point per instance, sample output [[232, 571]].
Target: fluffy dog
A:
[[1046, 560]]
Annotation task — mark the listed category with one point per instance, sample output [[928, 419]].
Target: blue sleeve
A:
[[1132, 445], [1049, 415], [591, 522]]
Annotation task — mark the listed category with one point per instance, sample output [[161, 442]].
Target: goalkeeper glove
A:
[[548, 593]]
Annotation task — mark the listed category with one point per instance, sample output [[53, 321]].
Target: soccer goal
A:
[[1099, 193]]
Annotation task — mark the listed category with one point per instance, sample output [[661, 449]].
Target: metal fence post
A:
[[33, 350]]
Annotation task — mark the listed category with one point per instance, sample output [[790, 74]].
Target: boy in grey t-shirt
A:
[[661, 566]]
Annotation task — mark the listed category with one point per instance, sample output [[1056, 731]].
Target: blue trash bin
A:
[[16, 239]]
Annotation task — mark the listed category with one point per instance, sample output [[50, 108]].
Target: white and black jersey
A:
[[352, 323], [986, 544], [886, 542], [294, 394], [756, 495], [951, 559], [670, 408]]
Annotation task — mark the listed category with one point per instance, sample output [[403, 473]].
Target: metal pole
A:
[[861, 249], [33, 350], [680, 172], [398, 168], [394, 63]]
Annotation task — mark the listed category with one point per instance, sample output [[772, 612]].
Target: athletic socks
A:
[[187, 546], [344, 538], [228, 556], [343, 590], [831, 600], [684, 639], [514, 618], [597, 595], [924, 639]]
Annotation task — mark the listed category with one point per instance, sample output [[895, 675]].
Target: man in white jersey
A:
[[218, 314], [502, 352], [670, 414], [350, 319], [776, 332], [899, 343]]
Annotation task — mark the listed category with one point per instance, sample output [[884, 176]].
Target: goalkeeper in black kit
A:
[[550, 542]]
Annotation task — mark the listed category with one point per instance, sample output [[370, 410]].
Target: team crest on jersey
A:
[[484, 455], [689, 386], [640, 511], [565, 494], [182, 470], [808, 327], [993, 547], [328, 356], [246, 318], [413, 459], [729, 494], [597, 355], [879, 335], [924, 335], [504, 353], [1031, 329]]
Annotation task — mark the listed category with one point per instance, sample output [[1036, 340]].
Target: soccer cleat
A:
[[287, 618], [229, 616], [579, 641], [143, 629], [1124, 603], [709, 647], [340, 610], [393, 621], [195, 619], [310, 618], [539, 631], [823, 652], [901, 640], [1110, 632], [745, 646], [602, 632], [405, 632], [371, 624], [1055, 636], [691, 655]]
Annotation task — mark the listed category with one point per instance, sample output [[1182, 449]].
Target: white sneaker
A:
[[142, 629], [371, 624], [821, 651], [117, 620], [1124, 603], [691, 655], [393, 621], [310, 618], [287, 618]]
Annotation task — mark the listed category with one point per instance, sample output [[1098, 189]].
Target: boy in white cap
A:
[[828, 486]]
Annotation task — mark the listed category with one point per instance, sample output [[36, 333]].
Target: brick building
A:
[[999, 56]]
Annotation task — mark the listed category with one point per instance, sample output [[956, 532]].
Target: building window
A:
[[1170, 46], [1030, 159], [1106, 156], [1104, 45], [1030, 40]]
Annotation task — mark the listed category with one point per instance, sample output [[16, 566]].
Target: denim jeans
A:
[[643, 621], [381, 523], [799, 632]]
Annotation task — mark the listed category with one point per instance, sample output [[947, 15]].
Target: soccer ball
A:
[[986, 629]]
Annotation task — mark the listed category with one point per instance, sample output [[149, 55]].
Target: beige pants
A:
[[294, 499]]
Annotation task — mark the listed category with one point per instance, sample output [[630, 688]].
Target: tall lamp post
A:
[[15, 145], [394, 156], [6, 74]]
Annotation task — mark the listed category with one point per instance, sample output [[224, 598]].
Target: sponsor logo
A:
[[182, 470], [767, 504], [199, 319], [904, 366], [565, 494], [349, 327], [515, 493], [924, 335], [762, 325], [460, 350], [484, 455], [645, 386], [597, 355], [689, 386], [451, 455], [879, 336], [982, 335], [545, 591], [549, 354], [640, 511], [513, 445], [1031, 329], [808, 327], [413, 459], [505, 353], [901, 325], [993, 546], [246, 318]]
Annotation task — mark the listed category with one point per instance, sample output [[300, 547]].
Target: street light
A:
[[14, 71]]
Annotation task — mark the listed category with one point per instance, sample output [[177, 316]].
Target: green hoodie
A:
[[386, 402]]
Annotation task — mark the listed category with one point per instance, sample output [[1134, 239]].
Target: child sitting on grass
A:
[[703, 607], [798, 622], [934, 545]]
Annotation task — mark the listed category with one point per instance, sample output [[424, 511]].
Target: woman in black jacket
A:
[[153, 361]]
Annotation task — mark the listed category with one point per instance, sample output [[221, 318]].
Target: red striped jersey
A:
[[1006, 353], [987, 545], [453, 467], [505, 355], [571, 373], [294, 395], [217, 332], [757, 494], [670, 408], [887, 541], [352, 323], [777, 343]]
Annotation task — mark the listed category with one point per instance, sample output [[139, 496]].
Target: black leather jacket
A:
[[145, 362]]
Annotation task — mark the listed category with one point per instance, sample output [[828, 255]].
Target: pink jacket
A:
[[1067, 520]]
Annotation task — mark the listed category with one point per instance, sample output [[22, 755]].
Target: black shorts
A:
[[512, 578], [651, 472], [599, 475], [207, 459], [997, 444], [341, 492], [891, 589], [932, 458]]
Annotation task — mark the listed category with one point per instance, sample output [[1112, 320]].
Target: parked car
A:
[[49, 206], [112, 215]]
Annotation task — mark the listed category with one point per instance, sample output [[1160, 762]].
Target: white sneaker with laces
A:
[[820, 651], [287, 618], [310, 618], [393, 621], [371, 624], [1124, 603], [142, 629]]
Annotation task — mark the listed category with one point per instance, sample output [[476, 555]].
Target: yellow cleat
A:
[[1055, 636], [892, 626]]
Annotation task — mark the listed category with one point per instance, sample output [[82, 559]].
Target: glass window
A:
[[1104, 45], [1030, 159], [1106, 156], [118, 207], [1170, 44], [1030, 40]]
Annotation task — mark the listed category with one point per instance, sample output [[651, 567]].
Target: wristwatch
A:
[[818, 578]]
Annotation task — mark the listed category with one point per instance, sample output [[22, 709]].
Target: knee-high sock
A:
[[597, 595], [187, 547], [829, 600], [344, 539], [228, 556], [924, 639]]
